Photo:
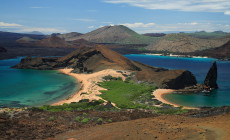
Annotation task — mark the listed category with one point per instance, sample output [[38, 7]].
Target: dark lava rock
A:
[[84, 101], [2, 50], [169, 79], [211, 78], [108, 105]]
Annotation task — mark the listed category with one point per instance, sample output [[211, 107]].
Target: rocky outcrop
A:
[[84, 60], [168, 79], [211, 78], [88, 60], [52, 41]]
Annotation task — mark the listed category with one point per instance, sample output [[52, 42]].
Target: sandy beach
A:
[[88, 86], [88, 89], [159, 95]]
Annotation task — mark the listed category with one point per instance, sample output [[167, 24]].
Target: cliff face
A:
[[211, 78], [88, 60]]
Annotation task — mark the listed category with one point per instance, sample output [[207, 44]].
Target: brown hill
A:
[[26, 40], [88, 60], [222, 52], [183, 43], [115, 34], [52, 41]]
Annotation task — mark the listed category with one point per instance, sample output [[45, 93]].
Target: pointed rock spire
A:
[[211, 78]]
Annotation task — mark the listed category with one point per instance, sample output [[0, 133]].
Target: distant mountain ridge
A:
[[35, 33], [222, 52], [183, 43]]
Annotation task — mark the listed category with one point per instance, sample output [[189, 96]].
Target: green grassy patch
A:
[[126, 94]]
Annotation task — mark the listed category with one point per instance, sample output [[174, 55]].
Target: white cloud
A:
[[227, 12], [180, 5], [4, 24], [91, 27], [44, 30], [177, 27], [84, 20], [138, 25]]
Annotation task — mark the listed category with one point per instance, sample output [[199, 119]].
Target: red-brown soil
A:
[[161, 128]]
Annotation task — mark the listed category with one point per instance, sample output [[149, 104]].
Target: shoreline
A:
[[88, 88], [159, 95], [186, 56]]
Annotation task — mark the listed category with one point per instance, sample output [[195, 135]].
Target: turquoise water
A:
[[199, 67], [20, 88]]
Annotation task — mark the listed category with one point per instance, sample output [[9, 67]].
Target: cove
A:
[[199, 67], [26, 88]]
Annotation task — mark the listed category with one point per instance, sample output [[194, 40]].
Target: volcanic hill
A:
[[88, 60], [115, 34]]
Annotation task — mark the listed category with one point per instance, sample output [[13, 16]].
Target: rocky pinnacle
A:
[[211, 78]]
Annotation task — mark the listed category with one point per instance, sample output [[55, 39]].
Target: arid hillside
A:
[[183, 43]]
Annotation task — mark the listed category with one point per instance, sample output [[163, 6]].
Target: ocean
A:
[[26, 88], [199, 67]]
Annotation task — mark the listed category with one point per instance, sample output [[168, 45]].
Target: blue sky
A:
[[143, 16]]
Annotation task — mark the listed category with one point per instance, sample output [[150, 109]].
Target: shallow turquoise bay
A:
[[199, 67], [20, 88]]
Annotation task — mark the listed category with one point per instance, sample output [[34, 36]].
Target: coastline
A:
[[159, 95], [88, 88], [184, 56]]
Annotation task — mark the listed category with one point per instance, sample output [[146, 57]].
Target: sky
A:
[[142, 16]]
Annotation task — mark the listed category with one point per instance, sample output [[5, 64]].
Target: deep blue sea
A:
[[20, 88], [199, 67]]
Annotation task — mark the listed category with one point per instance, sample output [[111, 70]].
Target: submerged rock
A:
[[211, 78]]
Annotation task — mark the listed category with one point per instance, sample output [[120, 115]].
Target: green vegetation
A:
[[85, 114], [110, 120], [51, 118], [85, 120], [100, 120], [77, 119], [126, 94], [93, 105]]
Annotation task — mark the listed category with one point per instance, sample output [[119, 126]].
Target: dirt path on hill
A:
[[161, 128]]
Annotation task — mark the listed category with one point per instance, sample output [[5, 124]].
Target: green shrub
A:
[[100, 120], [110, 120], [78, 118], [85, 114], [85, 120], [51, 118]]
